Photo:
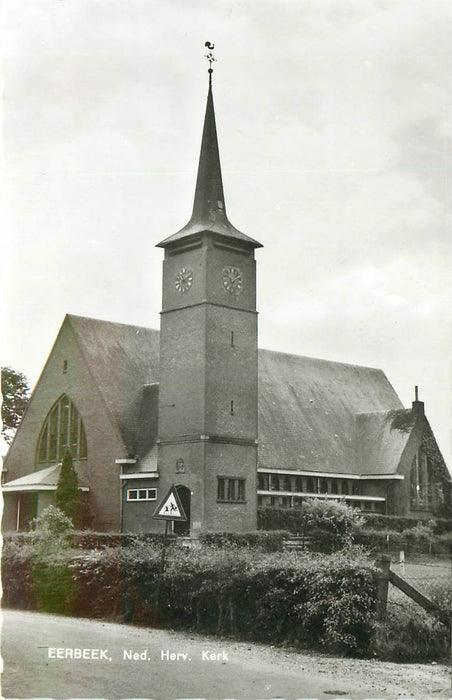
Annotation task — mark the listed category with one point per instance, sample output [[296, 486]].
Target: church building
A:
[[197, 406]]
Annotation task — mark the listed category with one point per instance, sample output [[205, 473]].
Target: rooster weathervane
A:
[[210, 57]]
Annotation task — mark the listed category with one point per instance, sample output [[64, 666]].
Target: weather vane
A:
[[210, 57]]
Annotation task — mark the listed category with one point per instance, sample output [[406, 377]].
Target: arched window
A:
[[287, 484], [62, 430], [299, 484], [334, 488]]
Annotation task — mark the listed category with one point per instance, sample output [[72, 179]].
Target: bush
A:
[[309, 600], [380, 540], [410, 634], [265, 541], [442, 544], [329, 524], [399, 523]]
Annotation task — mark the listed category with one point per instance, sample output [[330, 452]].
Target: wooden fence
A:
[[385, 576]]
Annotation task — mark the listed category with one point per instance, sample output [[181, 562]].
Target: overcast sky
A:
[[334, 122]]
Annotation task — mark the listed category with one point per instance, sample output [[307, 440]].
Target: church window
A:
[[420, 482], [232, 339], [232, 408], [230, 490], [62, 430], [141, 494]]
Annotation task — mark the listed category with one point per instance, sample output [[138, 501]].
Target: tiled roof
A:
[[381, 439], [313, 414], [307, 411]]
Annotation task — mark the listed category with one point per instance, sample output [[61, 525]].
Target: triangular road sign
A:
[[170, 508]]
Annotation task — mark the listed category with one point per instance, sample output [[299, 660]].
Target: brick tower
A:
[[208, 358]]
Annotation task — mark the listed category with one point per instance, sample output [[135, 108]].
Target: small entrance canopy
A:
[[33, 493], [42, 480]]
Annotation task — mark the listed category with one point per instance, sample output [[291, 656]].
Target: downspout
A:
[[18, 513]]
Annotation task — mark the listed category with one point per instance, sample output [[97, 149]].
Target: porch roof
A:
[[42, 480]]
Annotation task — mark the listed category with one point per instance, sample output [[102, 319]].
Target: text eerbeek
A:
[[76, 653]]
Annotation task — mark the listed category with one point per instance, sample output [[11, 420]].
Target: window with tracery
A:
[[62, 430]]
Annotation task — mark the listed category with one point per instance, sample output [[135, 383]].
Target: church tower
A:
[[208, 358]]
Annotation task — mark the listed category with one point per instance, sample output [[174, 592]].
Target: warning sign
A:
[[170, 507]]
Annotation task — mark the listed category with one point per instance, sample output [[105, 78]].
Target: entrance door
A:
[[181, 527]]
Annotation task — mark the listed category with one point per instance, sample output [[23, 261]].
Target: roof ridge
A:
[[112, 323], [320, 359]]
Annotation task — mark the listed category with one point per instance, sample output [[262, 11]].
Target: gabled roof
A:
[[314, 414], [121, 359]]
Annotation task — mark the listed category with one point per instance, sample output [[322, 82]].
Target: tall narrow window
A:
[[230, 490], [62, 430], [232, 339]]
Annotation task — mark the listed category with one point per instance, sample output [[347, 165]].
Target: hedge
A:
[[377, 521], [262, 540], [86, 539], [293, 520], [326, 601], [416, 539]]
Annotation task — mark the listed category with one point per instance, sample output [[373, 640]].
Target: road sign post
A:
[[169, 509]]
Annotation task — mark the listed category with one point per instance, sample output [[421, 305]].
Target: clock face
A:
[[184, 280], [232, 280]]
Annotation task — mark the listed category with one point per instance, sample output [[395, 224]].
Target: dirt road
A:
[[58, 657]]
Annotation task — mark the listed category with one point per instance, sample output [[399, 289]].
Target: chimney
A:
[[417, 406]]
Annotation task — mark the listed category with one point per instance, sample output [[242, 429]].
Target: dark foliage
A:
[[263, 540], [314, 601], [67, 493], [15, 391]]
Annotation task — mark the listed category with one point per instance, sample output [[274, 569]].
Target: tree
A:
[[16, 393], [67, 494]]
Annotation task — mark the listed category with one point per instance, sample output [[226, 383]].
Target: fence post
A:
[[383, 564]]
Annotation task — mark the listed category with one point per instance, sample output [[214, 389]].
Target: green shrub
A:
[[442, 544], [318, 601], [263, 540], [410, 634], [380, 540], [329, 524], [17, 579]]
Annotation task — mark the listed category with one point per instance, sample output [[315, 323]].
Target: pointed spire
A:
[[209, 197], [209, 210]]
